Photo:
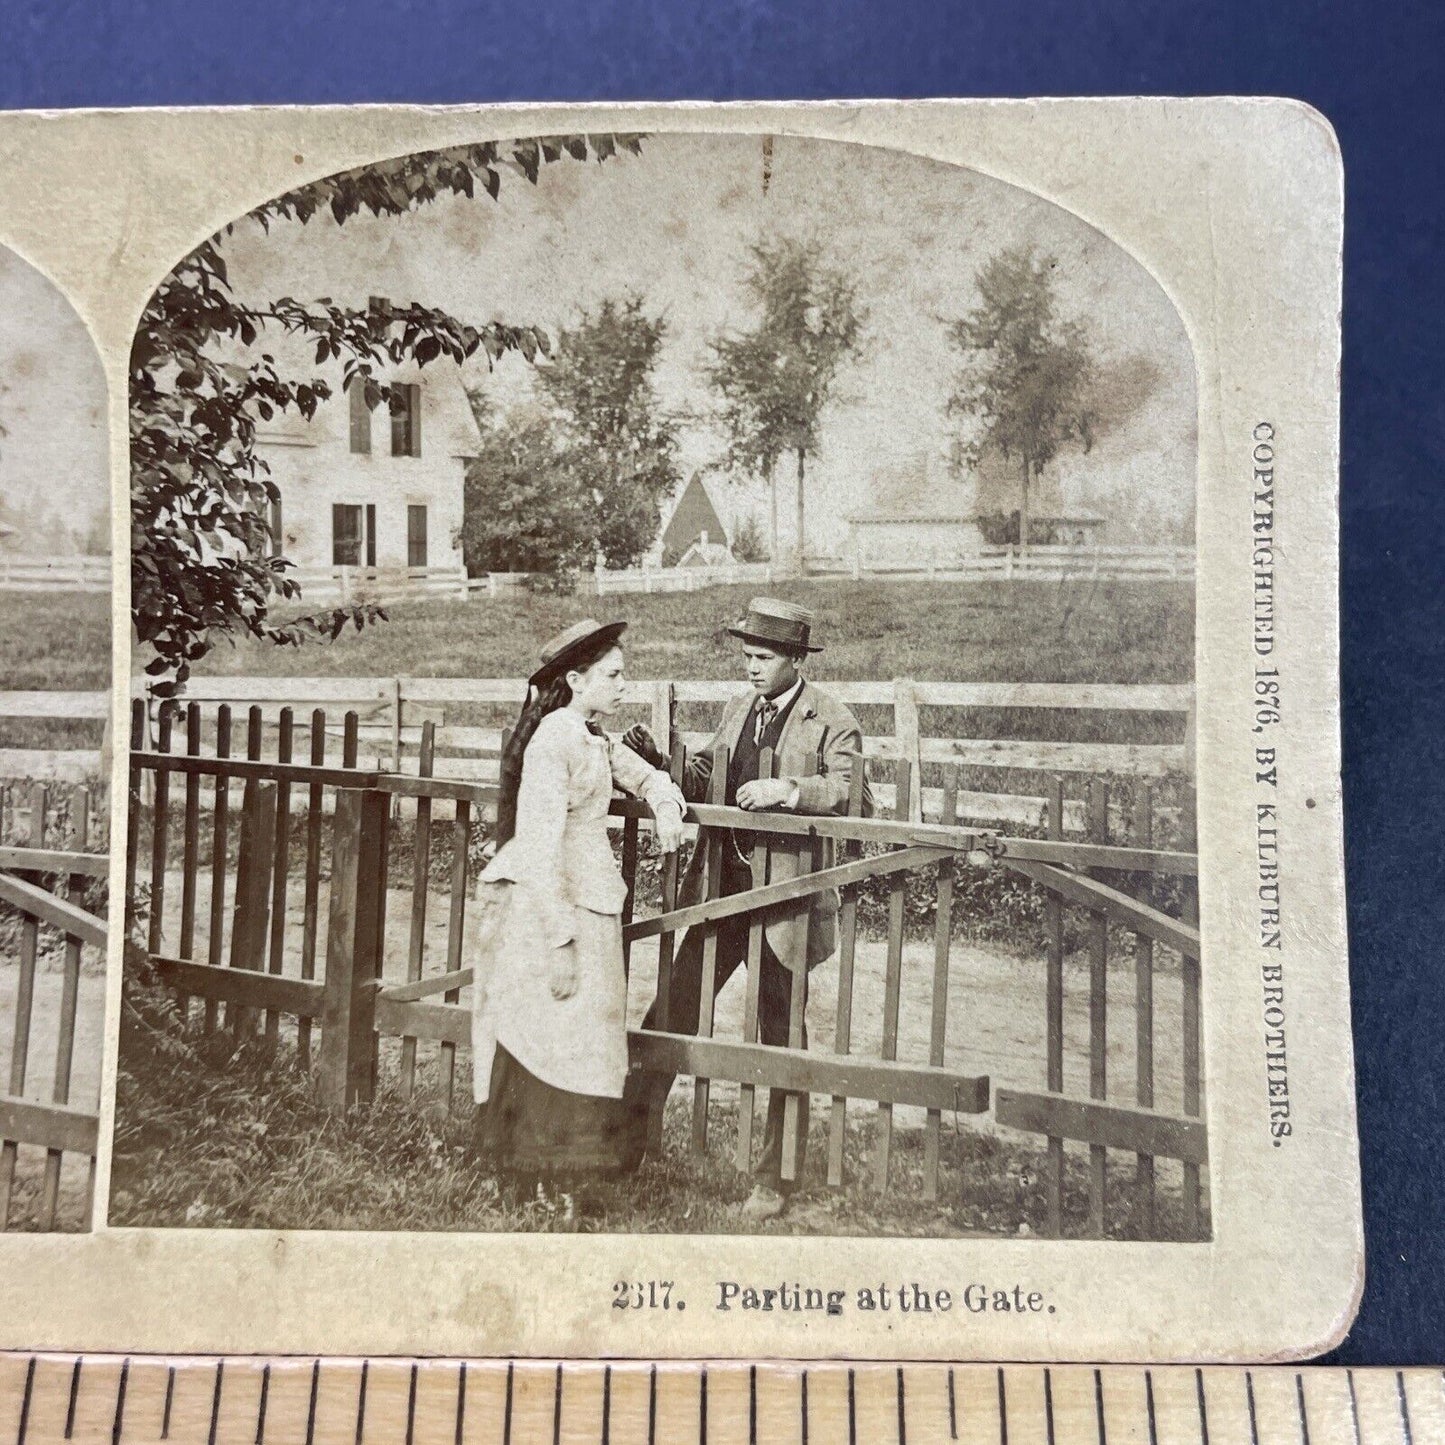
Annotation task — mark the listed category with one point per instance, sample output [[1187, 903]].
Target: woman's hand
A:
[[562, 977], [667, 827]]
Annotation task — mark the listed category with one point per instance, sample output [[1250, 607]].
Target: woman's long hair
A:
[[551, 694]]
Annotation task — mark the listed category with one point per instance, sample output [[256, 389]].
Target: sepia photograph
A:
[[55, 677], [662, 702]]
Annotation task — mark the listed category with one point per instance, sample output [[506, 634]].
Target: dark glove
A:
[[644, 745]]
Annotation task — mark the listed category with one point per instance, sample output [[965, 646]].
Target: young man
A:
[[816, 743]]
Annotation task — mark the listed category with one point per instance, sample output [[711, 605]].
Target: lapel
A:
[[732, 724], [802, 710]]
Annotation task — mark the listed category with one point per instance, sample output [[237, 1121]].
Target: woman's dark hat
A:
[[774, 623], [562, 652]]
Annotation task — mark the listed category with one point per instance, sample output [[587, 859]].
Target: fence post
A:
[[663, 696], [251, 915], [353, 947], [905, 729]]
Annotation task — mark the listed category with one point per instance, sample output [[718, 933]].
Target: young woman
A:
[[549, 1019]]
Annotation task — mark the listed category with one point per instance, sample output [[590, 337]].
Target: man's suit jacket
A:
[[821, 744]]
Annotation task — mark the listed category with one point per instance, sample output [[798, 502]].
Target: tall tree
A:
[[201, 554], [621, 450], [1024, 385], [776, 380], [525, 510]]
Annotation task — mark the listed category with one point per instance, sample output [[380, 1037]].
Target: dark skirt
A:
[[528, 1129]]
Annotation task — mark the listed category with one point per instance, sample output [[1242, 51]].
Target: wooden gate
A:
[[47, 1136], [338, 826]]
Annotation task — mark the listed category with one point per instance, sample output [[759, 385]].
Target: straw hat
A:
[[773, 623], [562, 651]]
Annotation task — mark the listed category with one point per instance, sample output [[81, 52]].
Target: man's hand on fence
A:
[[766, 793], [562, 977], [645, 746]]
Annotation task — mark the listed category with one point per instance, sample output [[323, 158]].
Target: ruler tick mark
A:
[[311, 1407], [410, 1407], [216, 1401], [902, 1422], [557, 1408], [461, 1401], [261, 1407], [74, 1393], [25, 1402], [118, 1422], [1099, 1406], [652, 1406], [170, 1396], [1405, 1430], [952, 1408], [805, 1407], [1203, 1408], [1304, 1419], [1253, 1417], [361, 1401], [852, 1412], [1354, 1404], [1002, 1409], [507, 1410], [702, 1408], [607, 1405], [752, 1405], [1049, 1404], [1149, 1407]]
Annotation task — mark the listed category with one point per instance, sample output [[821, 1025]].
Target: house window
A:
[[371, 536], [345, 535], [360, 417], [416, 536], [406, 419]]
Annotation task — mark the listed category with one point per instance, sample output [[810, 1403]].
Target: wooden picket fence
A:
[[324, 963], [48, 834]]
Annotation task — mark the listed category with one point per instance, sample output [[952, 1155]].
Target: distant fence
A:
[[68, 764], [54, 574], [248, 935], [1055, 564], [917, 563], [393, 711], [47, 1135]]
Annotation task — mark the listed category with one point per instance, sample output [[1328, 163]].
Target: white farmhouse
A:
[[375, 489]]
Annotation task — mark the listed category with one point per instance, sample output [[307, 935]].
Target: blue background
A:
[[1375, 70]]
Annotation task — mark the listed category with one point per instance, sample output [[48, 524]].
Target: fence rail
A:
[[393, 712], [67, 764], [32, 1119], [54, 574], [313, 947]]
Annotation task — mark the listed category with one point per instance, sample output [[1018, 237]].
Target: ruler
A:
[[292, 1401]]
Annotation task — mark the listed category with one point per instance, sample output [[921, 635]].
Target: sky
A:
[[674, 225], [54, 477]]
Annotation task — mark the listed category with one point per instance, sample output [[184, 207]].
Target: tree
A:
[[201, 563], [776, 381], [524, 510], [621, 451], [1026, 377]]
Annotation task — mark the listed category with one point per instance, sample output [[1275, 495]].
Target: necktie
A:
[[767, 712]]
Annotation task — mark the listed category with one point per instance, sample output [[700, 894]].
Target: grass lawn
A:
[[995, 631], [53, 642], [242, 1143]]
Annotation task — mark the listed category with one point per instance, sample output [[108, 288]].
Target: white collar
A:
[[784, 699]]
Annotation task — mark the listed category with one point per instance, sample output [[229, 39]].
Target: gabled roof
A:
[[693, 514]]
